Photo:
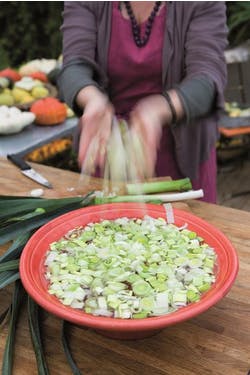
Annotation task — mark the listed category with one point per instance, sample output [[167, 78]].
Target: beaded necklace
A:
[[141, 42]]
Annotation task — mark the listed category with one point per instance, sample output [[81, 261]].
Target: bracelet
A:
[[172, 108]]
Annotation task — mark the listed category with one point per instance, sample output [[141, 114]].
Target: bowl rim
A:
[[34, 282]]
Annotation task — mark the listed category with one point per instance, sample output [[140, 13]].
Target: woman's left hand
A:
[[146, 120]]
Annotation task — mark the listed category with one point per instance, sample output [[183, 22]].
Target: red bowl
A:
[[32, 268]]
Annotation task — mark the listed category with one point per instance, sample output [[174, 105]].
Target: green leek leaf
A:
[[17, 206], [10, 265], [4, 316], [71, 362], [8, 277], [16, 229], [16, 248], [34, 324], [8, 356]]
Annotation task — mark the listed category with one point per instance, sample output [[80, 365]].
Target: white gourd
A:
[[28, 83], [12, 120]]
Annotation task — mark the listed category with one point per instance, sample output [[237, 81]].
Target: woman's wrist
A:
[[86, 94]]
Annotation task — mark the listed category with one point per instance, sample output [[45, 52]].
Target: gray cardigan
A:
[[194, 42]]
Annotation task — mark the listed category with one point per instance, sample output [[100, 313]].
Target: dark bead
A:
[[136, 31]]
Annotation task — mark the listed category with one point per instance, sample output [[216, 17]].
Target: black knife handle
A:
[[18, 161]]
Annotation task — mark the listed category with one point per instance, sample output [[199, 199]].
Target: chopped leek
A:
[[129, 268]]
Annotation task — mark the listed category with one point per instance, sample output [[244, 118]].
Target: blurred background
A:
[[30, 30]]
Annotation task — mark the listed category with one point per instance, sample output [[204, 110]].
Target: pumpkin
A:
[[12, 74], [41, 76], [49, 111]]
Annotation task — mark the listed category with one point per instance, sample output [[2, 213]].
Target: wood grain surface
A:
[[217, 342]]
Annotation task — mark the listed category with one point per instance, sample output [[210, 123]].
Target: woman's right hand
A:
[[95, 126]]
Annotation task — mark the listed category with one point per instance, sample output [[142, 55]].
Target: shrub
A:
[[29, 30]]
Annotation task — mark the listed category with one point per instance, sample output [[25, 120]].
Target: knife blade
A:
[[28, 171]]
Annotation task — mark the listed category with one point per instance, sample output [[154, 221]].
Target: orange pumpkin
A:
[[49, 111], [11, 74], [39, 75]]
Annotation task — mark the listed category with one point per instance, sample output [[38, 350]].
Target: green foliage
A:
[[29, 30], [238, 15]]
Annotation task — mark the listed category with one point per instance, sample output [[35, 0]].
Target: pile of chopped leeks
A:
[[129, 268], [20, 217]]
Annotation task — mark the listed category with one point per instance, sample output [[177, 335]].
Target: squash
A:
[[50, 150], [41, 76], [12, 74], [12, 120], [49, 111], [38, 65]]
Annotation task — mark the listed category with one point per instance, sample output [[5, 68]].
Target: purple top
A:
[[126, 92]]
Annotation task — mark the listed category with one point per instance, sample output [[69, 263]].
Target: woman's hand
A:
[[95, 126], [147, 119]]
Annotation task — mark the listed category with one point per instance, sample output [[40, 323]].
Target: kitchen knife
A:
[[28, 171]]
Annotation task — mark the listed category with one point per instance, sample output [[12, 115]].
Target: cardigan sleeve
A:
[[74, 76], [79, 31], [205, 66], [79, 46], [197, 96]]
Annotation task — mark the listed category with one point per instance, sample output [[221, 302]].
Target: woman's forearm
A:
[[191, 99]]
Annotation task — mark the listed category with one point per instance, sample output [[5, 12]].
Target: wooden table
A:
[[217, 342]]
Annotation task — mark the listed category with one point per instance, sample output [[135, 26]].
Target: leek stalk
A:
[[159, 186], [159, 198]]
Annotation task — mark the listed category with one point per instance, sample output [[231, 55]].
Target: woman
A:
[[160, 65]]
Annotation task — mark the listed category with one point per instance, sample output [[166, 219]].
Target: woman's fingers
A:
[[95, 132], [148, 130], [147, 119]]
